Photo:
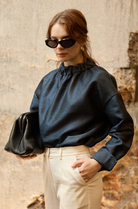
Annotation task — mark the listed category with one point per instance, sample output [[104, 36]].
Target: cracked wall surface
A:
[[24, 60]]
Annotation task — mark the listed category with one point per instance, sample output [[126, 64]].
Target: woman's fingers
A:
[[77, 163]]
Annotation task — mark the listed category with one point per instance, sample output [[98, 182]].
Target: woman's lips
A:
[[61, 54]]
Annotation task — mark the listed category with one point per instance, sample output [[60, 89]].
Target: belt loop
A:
[[60, 153], [48, 152], [90, 151]]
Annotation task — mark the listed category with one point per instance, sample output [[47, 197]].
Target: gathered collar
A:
[[67, 70]]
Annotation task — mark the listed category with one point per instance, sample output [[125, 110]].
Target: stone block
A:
[[127, 188], [112, 186], [111, 178], [136, 171], [133, 49], [114, 195], [126, 83]]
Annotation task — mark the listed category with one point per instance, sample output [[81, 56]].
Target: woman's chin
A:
[[62, 59]]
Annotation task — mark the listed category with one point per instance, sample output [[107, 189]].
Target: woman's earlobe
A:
[[82, 48]]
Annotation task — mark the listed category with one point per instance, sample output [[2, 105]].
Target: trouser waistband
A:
[[67, 150]]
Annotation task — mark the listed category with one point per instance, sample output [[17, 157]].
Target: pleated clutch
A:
[[25, 138]]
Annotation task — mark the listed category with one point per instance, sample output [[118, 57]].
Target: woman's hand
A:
[[26, 157], [87, 168]]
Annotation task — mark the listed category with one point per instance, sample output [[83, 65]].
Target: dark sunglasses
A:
[[66, 43]]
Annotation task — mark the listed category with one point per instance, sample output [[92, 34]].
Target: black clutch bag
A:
[[25, 138]]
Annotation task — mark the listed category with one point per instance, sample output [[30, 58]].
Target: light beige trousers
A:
[[64, 187]]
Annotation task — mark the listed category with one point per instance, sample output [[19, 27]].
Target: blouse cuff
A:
[[105, 158]]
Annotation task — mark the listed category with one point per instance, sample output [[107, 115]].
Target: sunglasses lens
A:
[[67, 43], [64, 43], [51, 43]]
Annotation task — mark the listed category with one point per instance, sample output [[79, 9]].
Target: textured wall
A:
[[24, 60]]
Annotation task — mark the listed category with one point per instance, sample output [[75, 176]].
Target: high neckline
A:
[[67, 70]]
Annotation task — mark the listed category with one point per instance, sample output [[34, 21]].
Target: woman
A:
[[79, 105]]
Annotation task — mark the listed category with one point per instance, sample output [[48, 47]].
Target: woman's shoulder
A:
[[50, 75], [100, 71], [101, 75], [45, 79], [103, 84]]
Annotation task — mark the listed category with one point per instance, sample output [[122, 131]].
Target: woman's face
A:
[[70, 56]]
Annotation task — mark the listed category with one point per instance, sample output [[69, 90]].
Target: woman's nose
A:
[[59, 46]]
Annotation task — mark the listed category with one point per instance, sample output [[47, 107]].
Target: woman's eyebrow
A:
[[61, 37]]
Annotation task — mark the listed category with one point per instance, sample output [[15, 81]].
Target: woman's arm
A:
[[122, 131]]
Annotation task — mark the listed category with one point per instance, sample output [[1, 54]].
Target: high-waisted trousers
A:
[[64, 187]]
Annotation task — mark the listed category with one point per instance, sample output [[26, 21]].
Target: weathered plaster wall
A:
[[22, 49], [24, 60]]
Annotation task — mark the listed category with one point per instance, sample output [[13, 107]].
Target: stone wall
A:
[[24, 60]]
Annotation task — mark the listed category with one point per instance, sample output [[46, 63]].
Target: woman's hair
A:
[[76, 27]]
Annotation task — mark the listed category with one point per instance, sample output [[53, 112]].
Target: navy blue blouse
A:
[[80, 105]]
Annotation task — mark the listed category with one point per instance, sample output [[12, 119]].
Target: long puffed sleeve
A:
[[35, 103], [122, 131]]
